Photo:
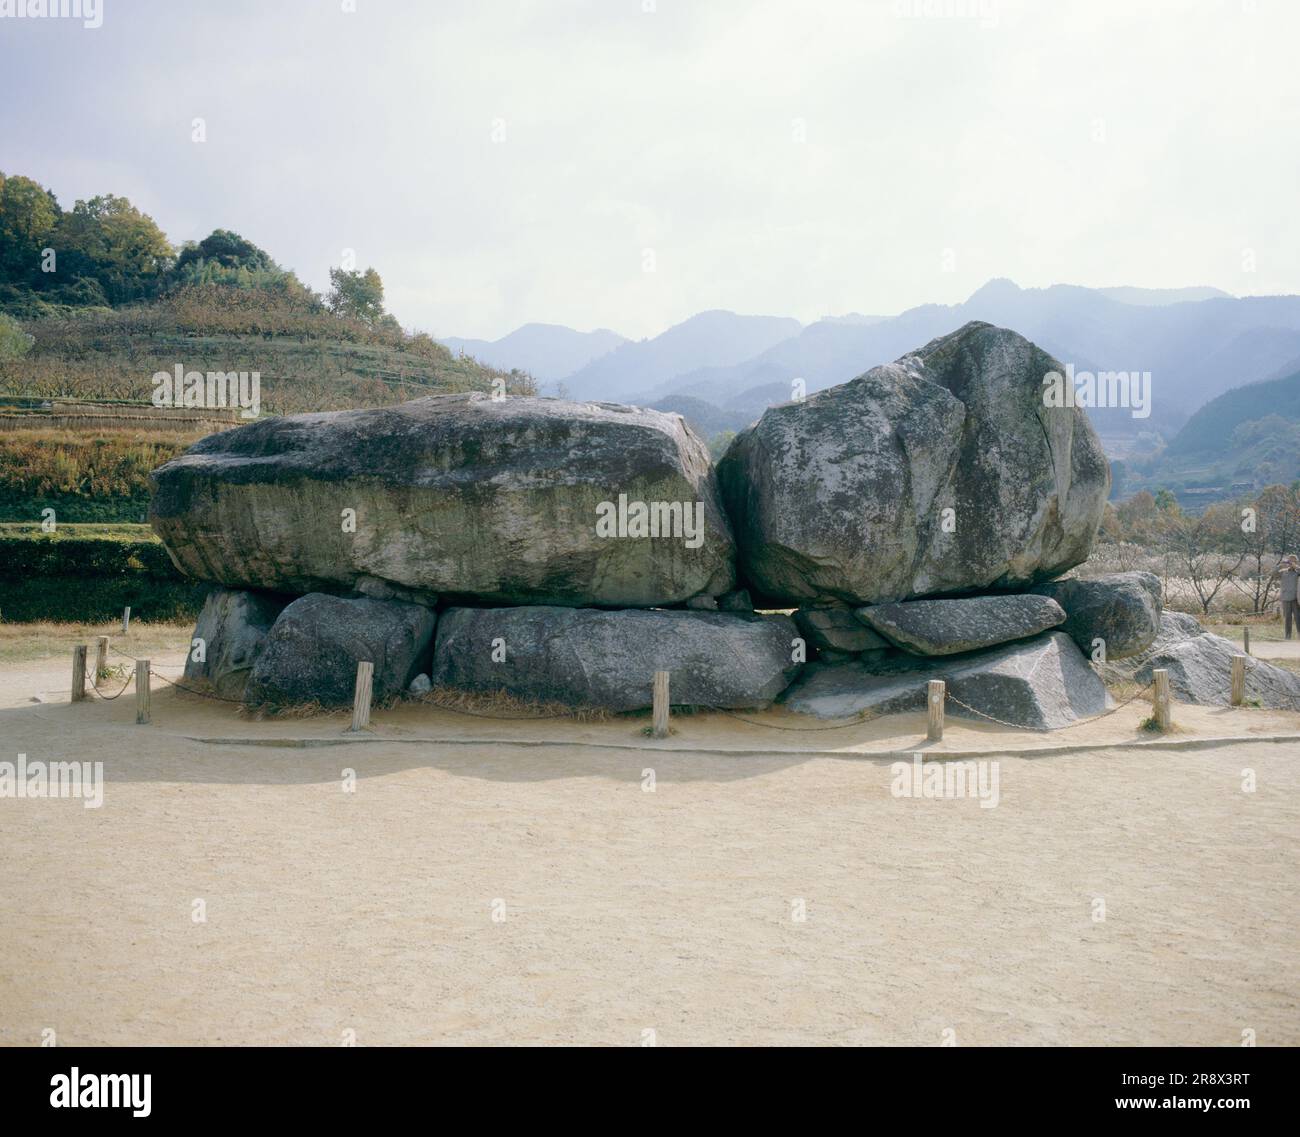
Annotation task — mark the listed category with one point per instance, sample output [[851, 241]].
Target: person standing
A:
[[1288, 574]]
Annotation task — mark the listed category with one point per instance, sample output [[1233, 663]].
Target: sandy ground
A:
[[511, 892]]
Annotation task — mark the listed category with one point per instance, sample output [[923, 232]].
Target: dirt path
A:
[[621, 911]]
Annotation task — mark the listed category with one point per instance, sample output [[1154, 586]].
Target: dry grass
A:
[[1266, 627], [289, 711], [501, 704], [45, 639]]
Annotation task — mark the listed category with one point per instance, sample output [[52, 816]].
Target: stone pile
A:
[[913, 522]]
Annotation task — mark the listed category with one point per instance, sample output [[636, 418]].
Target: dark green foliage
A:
[[54, 577]]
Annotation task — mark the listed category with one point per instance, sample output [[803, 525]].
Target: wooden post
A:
[[361, 695], [1238, 679], [1160, 699], [660, 704], [126, 619], [936, 690], [1245, 638], [141, 691], [78, 673], [101, 657]]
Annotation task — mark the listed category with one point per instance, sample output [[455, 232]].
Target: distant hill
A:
[[1210, 430], [1244, 439], [1161, 296], [93, 465], [548, 352], [634, 371]]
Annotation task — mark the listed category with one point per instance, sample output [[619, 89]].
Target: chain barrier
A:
[[1253, 670], [94, 686]]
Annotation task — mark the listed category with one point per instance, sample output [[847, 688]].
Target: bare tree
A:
[[1206, 549], [1268, 527]]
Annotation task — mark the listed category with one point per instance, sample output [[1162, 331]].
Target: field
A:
[[80, 433], [765, 887]]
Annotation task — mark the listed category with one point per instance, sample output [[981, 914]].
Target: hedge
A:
[[51, 577]]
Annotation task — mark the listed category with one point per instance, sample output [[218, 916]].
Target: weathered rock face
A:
[[1123, 609], [1043, 683], [313, 649], [947, 627], [837, 629], [233, 626], [842, 497], [1174, 628], [457, 496], [1200, 671], [585, 657]]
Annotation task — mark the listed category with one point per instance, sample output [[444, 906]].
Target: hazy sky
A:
[[500, 161]]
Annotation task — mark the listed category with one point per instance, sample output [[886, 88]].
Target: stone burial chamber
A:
[[912, 523]]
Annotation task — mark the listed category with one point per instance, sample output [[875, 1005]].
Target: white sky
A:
[[676, 130]]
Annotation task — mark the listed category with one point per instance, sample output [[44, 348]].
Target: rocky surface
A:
[[838, 630], [585, 657], [233, 626], [313, 649], [1173, 628], [949, 627], [943, 472], [1200, 672], [1121, 609], [1043, 684], [458, 496]]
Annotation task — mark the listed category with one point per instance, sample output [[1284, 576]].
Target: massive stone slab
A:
[[458, 496], [943, 472], [233, 627], [1122, 609], [948, 627], [313, 648], [1200, 672], [585, 657], [1042, 684]]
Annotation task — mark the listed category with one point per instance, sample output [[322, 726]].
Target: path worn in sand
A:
[[626, 911]]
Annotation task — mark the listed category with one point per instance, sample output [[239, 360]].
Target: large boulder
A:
[[313, 649], [941, 473], [585, 657], [1121, 609], [1200, 671], [1042, 684], [232, 630], [948, 627], [521, 500]]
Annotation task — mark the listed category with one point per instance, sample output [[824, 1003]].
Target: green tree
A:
[[13, 340], [108, 240], [28, 216], [1166, 502], [356, 295], [227, 249]]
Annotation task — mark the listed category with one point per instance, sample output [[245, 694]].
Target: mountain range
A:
[[1196, 343]]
